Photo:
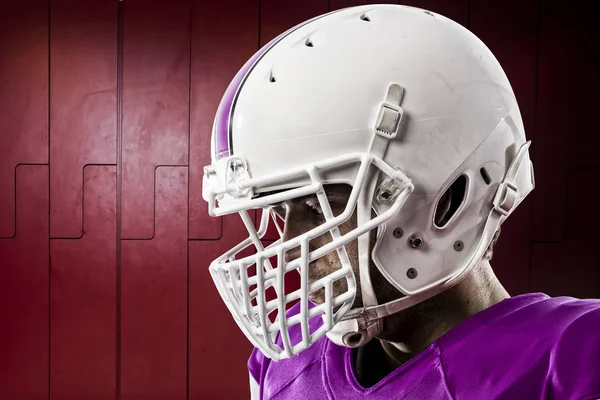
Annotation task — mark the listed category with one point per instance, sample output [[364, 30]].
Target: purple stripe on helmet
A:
[[222, 147], [222, 139], [222, 134]]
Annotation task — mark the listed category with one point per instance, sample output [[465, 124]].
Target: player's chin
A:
[[317, 297]]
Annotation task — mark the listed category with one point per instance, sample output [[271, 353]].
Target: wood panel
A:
[[24, 291], [83, 295], [154, 298], [83, 98], [23, 97], [156, 76]]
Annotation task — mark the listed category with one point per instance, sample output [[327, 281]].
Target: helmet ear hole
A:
[[450, 202]]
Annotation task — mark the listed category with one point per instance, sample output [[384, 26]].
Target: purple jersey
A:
[[526, 347]]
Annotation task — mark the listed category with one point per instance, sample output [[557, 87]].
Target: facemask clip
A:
[[224, 179], [391, 188]]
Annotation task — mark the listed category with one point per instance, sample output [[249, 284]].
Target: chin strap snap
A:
[[356, 331]]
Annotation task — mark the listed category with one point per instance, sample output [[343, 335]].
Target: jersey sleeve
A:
[[575, 358]]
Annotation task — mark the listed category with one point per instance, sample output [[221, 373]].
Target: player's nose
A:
[[297, 222]]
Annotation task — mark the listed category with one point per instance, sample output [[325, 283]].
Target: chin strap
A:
[[356, 332], [361, 325]]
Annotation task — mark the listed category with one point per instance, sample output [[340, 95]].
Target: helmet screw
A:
[[398, 233], [459, 245], [415, 241], [411, 273]]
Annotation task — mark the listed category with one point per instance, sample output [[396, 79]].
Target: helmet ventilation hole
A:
[[365, 17], [308, 43], [485, 176], [271, 76], [450, 202]]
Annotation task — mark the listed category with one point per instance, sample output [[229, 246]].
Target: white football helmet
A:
[[400, 103]]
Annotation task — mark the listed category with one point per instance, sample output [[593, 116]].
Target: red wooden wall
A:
[[106, 112]]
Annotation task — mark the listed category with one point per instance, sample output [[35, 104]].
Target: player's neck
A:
[[435, 317]]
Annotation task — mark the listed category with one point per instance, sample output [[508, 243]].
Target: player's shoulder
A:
[[568, 305], [579, 320], [560, 336], [575, 356], [533, 315], [568, 316], [548, 315], [561, 321]]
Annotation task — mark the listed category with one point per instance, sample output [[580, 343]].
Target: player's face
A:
[[302, 215]]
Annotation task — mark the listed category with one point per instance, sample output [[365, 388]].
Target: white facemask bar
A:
[[231, 275]]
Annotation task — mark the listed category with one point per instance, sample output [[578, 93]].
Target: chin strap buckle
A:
[[388, 120], [358, 327]]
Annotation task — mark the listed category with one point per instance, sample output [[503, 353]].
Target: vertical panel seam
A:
[[119, 127], [187, 242], [49, 199]]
